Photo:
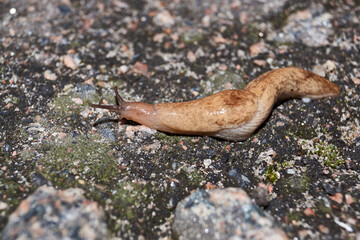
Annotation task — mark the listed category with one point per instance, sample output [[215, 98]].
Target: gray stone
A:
[[52, 214], [223, 214], [310, 26]]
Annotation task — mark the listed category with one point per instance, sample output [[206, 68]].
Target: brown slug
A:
[[231, 114]]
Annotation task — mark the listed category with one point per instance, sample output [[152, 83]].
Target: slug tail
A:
[[291, 82]]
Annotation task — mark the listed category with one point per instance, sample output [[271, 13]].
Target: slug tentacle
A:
[[120, 100], [231, 114], [116, 108], [109, 107]]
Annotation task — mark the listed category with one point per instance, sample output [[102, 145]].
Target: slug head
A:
[[315, 86], [300, 83]]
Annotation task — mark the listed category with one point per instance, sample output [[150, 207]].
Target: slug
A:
[[232, 114]]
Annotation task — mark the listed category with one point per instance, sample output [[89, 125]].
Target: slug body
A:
[[231, 114]]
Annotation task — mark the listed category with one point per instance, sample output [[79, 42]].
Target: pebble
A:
[[309, 212], [306, 100], [223, 214], [70, 62], [108, 133], [259, 62], [52, 214], [164, 19], [207, 163], [130, 130], [86, 112], [329, 189], [191, 56], [47, 91], [257, 48], [261, 196], [337, 197], [3, 205], [356, 81], [290, 171], [6, 148], [239, 179], [49, 75], [78, 101], [330, 65], [141, 68], [123, 69], [39, 180], [349, 199]]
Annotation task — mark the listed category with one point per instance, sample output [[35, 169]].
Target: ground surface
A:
[[56, 57]]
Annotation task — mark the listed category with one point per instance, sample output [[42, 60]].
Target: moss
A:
[[27, 154], [305, 131], [271, 173], [280, 21], [252, 32], [194, 176], [192, 37], [129, 196], [64, 106], [329, 153], [117, 81], [75, 45], [321, 208], [295, 184], [14, 100], [218, 81], [174, 140], [297, 216], [82, 157]]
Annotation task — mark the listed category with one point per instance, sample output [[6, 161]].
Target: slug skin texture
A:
[[232, 114]]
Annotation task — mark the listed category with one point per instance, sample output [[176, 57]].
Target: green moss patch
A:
[[295, 185], [79, 158], [329, 153], [219, 80], [75, 100], [324, 152], [192, 37]]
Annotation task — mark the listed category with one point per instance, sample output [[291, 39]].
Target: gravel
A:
[[56, 57]]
